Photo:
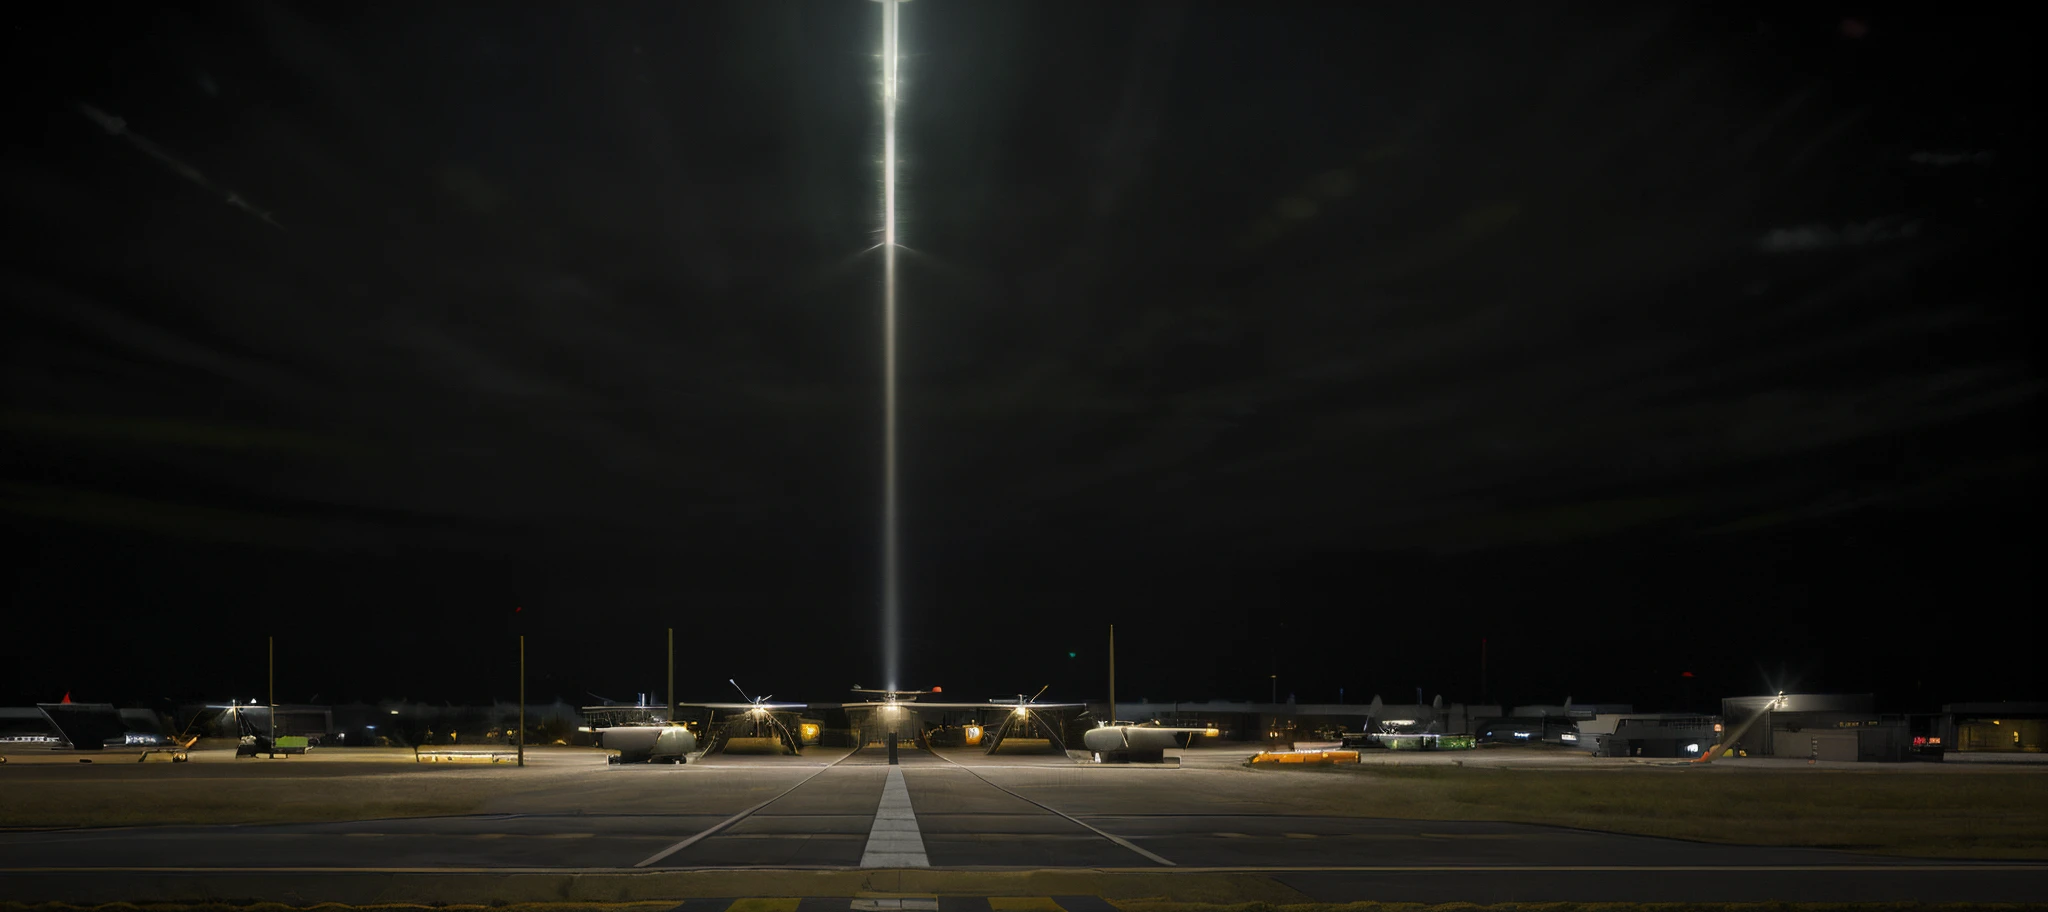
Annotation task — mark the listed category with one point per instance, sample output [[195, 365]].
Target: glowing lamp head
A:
[[1022, 711]]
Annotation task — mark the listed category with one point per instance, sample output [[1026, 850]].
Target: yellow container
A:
[[1306, 757]]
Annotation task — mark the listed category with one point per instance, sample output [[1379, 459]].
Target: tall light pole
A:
[[669, 715], [271, 647], [522, 699]]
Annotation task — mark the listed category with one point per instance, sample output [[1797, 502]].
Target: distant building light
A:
[[1692, 748]]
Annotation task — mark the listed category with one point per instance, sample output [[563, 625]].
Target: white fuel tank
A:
[[645, 743], [1113, 738]]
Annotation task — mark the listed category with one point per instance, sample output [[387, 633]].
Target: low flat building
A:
[[1680, 735], [1840, 727], [1543, 723], [80, 726], [1993, 727], [1290, 722], [27, 726]]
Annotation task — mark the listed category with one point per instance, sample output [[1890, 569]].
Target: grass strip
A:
[[1987, 815]]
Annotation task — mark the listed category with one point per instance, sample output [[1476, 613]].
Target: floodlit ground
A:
[[1024, 827], [1930, 810], [50, 788], [1918, 809]]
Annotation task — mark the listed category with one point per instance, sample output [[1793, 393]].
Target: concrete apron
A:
[[484, 887]]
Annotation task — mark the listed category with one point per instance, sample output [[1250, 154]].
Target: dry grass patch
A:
[[136, 802], [1942, 815]]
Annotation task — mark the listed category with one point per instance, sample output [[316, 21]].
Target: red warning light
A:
[[937, 689], [67, 697], [1686, 675]]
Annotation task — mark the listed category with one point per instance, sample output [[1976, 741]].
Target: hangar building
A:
[[1817, 726], [1993, 727]]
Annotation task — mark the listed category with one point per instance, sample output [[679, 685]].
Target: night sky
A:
[[1319, 340]]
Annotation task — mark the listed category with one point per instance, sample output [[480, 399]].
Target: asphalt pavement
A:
[[973, 816]]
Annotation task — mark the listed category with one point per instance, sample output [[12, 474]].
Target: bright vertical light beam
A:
[[891, 581]]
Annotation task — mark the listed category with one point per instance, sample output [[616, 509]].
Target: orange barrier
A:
[[1327, 756]]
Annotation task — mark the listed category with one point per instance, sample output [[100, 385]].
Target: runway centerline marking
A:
[[1119, 840], [729, 821], [894, 840]]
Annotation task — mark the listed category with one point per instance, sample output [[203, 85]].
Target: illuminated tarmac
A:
[[572, 813]]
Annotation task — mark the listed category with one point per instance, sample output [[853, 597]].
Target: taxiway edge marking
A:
[[1119, 840], [729, 821]]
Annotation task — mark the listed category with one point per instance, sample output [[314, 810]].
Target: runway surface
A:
[[970, 812]]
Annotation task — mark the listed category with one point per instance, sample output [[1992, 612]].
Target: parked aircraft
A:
[[756, 720], [1021, 714]]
